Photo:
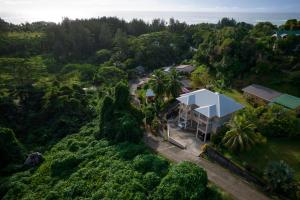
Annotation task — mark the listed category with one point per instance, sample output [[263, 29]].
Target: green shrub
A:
[[63, 166], [129, 150], [184, 181], [280, 176], [278, 122], [150, 180], [150, 163], [11, 150]]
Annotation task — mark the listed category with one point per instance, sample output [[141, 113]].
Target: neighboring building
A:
[[186, 86], [140, 70], [287, 101], [149, 95], [205, 112], [259, 94], [167, 69], [185, 68], [285, 33], [142, 83]]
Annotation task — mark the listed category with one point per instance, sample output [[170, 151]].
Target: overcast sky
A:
[[54, 10]]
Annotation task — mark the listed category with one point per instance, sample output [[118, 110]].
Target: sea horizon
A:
[[190, 17]]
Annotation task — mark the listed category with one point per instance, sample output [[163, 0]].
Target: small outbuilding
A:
[[287, 101], [259, 94], [185, 68], [149, 95]]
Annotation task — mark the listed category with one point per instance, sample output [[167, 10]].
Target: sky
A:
[[55, 10]]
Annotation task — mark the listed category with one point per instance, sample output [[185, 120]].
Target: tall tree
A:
[[174, 86], [158, 83], [242, 134]]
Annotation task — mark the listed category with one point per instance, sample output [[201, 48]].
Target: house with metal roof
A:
[[205, 112], [259, 94], [287, 101], [185, 68], [285, 33]]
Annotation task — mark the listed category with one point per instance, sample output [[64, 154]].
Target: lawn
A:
[[23, 35], [274, 150], [236, 95]]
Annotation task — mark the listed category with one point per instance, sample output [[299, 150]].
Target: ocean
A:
[[148, 16]]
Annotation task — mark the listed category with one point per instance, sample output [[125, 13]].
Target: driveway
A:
[[186, 138], [234, 185]]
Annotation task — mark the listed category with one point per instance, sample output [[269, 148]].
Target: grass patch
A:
[[274, 150], [236, 95], [25, 35]]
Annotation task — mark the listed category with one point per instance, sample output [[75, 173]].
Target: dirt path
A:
[[237, 187]]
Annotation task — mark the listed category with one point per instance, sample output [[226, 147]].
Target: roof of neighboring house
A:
[[261, 92], [283, 33], [287, 101], [185, 68], [186, 83], [150, 93], [210, 104]]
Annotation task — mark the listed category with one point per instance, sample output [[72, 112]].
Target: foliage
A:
[[150, 163], [183, 181], [279, 175], [242, 134], [174, 85], [201, 76], [119, 120], [157, 83], [11, 151], [277, 121], [109, 76], [96, 169]]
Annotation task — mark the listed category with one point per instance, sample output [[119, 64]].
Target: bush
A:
[[280, 176], [278, 122], [11, 150], [63, 166], [150, 180], [184, 181], [150, 163]]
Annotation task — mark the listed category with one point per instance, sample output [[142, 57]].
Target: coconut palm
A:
[[174, 85], [242, 134], [158, 83]]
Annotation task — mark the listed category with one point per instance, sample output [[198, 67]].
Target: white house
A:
[[205, 112]]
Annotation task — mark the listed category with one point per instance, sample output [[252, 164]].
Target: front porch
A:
[[192, 121], [185, 137]]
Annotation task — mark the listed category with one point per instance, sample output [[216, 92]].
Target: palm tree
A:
[[174, 85], [242, 134], [158, 83]]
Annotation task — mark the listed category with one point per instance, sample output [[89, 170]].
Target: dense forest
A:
[[64, 92]]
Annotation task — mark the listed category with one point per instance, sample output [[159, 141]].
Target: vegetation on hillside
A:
[[57, 77]]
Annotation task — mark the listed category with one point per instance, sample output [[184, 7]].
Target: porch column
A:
[[186, 114], [197, 126], [206, 130]]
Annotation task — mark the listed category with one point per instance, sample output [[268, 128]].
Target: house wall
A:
[[254, 100], [219, 122]]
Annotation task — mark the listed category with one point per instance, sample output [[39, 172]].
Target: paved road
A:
[[237, 187]]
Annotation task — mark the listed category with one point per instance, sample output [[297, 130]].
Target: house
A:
[[149, 95], [285, 33], [287, 101], [259, 94], [186, 85], [185, 68], [205, 112], [140, 70]]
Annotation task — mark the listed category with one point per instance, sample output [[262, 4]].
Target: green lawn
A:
[[236, 95], [275, 149], [22, 35]]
